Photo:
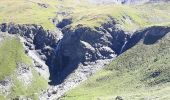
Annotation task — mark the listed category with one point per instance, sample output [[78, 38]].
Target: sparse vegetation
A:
[[37, 85]]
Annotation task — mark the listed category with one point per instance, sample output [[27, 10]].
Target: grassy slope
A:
[[82, 12], [28, 12], [131, 76], [11, 53], [128, 17]]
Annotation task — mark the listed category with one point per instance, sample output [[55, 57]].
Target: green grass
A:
[[28, 12], [127, 17], [130, 76], [2, 97], [11, 53]]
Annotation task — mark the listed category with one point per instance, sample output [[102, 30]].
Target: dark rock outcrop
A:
[[85, 45], [64, 23]]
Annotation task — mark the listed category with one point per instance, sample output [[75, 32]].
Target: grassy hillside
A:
[[28, 12], [127, 17], [82, 12], [142, 73]]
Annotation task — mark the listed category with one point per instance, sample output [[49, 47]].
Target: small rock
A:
[[43, 5], [118, 98], [155, 74]]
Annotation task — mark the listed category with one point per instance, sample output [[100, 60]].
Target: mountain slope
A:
[[142, 72], [47, 47]]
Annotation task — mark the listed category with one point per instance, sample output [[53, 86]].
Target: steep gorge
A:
[[74, 54]]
